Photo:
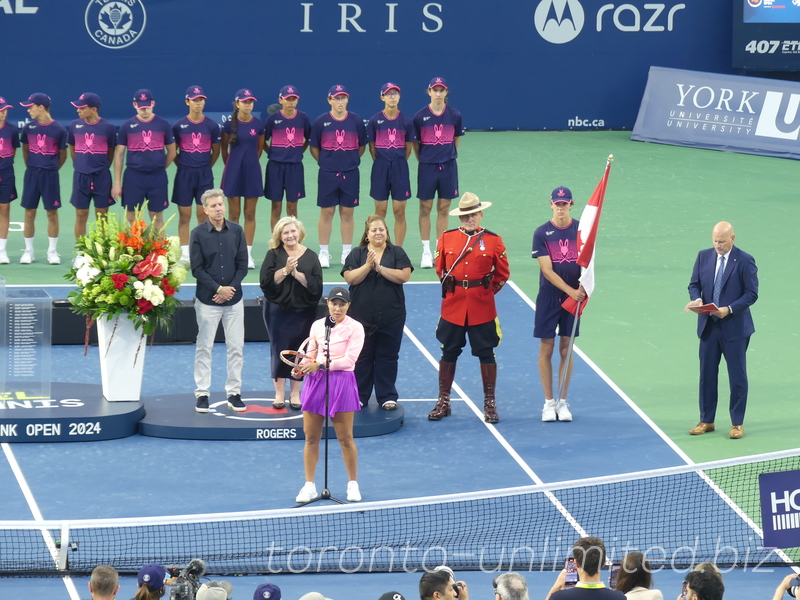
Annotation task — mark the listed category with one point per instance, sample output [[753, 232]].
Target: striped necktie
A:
[[718, 280]]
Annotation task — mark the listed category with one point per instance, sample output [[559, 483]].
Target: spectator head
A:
[[214, 590], [705, 585], [267, 591], [511, 586], [104, 582], [313, 596], [590, 554], [436, 585], [392, 596], [634, 572], [277, 231]]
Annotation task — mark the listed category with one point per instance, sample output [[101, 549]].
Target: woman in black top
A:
[[291, 279], [376, 270]]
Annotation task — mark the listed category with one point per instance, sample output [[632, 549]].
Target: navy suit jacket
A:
[[739, 290]]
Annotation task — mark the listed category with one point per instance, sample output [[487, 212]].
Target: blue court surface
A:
[[143, 476]]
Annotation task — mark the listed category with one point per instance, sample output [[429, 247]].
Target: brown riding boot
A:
[[489, 376], [447, 371]]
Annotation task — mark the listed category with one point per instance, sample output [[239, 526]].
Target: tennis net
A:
[[678, 516]]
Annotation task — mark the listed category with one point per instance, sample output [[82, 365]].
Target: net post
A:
[[63, 548]]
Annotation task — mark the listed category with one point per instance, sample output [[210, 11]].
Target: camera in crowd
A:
[[794, 587], [187, 580]]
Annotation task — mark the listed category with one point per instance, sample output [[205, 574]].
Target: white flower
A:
[[86, 274]]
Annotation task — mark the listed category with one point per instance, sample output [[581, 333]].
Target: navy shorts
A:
[[437, 178], [190, 184], [86, 186], [483, 339], [140, 185], [288, 177], [337, 188], [550, 314], [8, 186], [390, 176], [41, 183]]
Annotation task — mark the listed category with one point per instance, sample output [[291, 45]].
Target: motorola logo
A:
[[559, 21]]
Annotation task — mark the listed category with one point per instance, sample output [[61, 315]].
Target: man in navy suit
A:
[[728, 277]]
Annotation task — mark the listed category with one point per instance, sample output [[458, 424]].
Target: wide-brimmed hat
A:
[[468, 204]]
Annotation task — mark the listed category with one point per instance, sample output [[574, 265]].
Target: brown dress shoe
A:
[[737, 432], [702, 428]]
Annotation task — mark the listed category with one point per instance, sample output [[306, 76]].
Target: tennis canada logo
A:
[[559, 21], [115, 23]]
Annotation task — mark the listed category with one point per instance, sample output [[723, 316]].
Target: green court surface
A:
[[661, 204]]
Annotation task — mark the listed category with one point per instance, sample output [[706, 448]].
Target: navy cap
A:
[[153, 575], [4, 103], [143, 98], [194, 92], [245, 94], [38, 98], [337, 90], [87, 99], [288, 91], [561, 194], [339, 293], [267, 591], [438, 81], [392, 596], [389, 86]]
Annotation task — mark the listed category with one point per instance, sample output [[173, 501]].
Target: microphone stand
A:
[[326, 493]]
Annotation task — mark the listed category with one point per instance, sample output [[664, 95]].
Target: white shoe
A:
[[4, 258], [549, 411], [324, 260], [307, 493], [344, 256], [353, 493], [562, 411], [427, 260], [53, 257], [26, 258], [251, 263]]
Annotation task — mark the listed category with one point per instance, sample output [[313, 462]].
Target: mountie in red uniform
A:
[[473, 267]]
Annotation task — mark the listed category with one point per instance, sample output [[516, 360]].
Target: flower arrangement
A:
[[130, 268]]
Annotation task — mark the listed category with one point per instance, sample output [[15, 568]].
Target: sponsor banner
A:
[[720, 112], [529, 64], [766, 36], [780, 508]]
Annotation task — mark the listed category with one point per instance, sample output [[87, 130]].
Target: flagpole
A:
[[562, 380]]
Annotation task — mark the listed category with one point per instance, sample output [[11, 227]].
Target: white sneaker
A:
[[4, 258], [251, 263], [353, 493], [307, 493], [549, 411], [344, 256], [26, 258], [53, 257], [324, 260], [562, 411], [427, 260]]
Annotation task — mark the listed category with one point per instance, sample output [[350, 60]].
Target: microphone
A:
[[330, 323]]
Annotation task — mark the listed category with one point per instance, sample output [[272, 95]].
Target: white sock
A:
[[29, 244], [250, 252], [323, 249], [346, 248], [3, 244], [426, 245], [185, 250], [563, 400], [547, 401], [52, 244]]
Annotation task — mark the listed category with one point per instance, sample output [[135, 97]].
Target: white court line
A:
[[37, 515]]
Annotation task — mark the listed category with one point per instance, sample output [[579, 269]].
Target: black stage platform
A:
[[174, 417]]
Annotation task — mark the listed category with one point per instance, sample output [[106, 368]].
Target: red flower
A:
[[144, 305], [149, 267], [168, 289], [119, 280]]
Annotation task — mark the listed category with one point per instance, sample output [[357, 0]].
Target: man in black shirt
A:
[[218, 254]]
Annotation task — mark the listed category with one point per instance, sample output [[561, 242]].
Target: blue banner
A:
[[780, 508], [531, 64], [720, 112]]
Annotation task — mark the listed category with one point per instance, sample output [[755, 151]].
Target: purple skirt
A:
[[342, 395]]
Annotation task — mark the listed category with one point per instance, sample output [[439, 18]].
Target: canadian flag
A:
[[587, 235]]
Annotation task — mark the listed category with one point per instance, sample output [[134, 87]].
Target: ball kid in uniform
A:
[[287, 132], [44, 150], [198, 141], [439, 130], [148, 141], [91, 143], [9, 142], [338, 140], [242, 145], [391, 137]]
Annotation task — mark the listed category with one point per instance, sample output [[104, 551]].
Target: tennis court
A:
[[635, 338]]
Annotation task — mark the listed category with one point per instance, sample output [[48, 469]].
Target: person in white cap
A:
[[214, 590]]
